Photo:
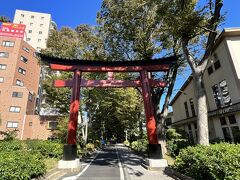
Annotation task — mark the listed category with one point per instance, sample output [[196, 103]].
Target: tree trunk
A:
[[202, 118], [140, 125]]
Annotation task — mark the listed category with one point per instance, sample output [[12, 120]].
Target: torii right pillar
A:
[[154, 149]]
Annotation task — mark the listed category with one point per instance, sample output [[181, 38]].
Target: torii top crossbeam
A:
[[68, 64]]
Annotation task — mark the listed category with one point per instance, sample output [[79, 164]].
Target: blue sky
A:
[[64, 12], [74, 12]]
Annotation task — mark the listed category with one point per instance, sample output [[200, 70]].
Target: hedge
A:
[[139, 145], [11, 145], [20, 165], [47, 149], [214, 162]]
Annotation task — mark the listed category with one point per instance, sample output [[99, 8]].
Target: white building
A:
[[222, 85], [38, 26]]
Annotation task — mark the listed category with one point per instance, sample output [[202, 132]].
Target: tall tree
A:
[[132, 29], [196, 27], [107, 110], [4, 19]]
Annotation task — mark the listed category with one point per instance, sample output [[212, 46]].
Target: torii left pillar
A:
[[70, 149]]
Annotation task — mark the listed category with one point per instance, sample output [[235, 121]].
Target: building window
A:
[[186, 109], [30, 123], [223, 121], [15, 109], [25, 60], [30, 97], [12, 124], [22, 15], [30, 31], [40, 32], [4, 54], [20, 22], [192, 107], [3, 66], [52, 125], [32, 17], [31, 24], [28, 39], [22, 71], [1, 79], [168, 121], [217, 63], [17, 94], [38, 49], [42, 18], [232, 119], [210, 70], [221, 94], [26, 49], [19, 83], [8, 43], [230, 129], [41, 25], [39, 40]]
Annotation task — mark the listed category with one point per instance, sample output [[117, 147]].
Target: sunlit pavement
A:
[[114, 162]]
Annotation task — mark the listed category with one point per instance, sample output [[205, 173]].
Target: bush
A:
[[9, 135], [97, 143], [47, 149], [217, 161], [11, 145], [175, 146], [126, 143], [176, 140], [20, 165], [90, 147], [139, 145]]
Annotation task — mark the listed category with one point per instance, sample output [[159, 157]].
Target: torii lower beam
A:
[[108, 83]]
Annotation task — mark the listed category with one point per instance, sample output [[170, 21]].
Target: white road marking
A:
[[78, 175], [120, 166]]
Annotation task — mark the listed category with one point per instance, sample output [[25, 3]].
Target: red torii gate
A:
[[78, 66]]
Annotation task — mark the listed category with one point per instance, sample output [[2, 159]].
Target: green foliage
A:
[[11, 145], [214, 162], [47, 149], [176, 140], [126, 143], [62, 129], [173, 134], [174, 146], [97, 144], [9, 135], [4, 19], [90, 147], [139, 145], [20, 165]]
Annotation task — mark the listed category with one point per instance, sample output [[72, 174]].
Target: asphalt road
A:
[[105, 165]]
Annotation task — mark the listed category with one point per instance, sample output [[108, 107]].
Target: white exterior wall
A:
[[228, 52], [34, 22], [178, 106], [225, 72]]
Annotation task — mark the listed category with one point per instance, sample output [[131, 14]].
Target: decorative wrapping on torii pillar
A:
[[78, 66]]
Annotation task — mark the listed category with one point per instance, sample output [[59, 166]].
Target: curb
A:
[[174, 174]]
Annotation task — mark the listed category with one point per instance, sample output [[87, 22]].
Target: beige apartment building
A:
[[19, 86], [38, 26], [222, 85]]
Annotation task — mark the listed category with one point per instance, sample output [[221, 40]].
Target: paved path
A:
[[114, 163]]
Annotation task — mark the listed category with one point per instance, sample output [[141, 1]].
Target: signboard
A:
[[12, 30]]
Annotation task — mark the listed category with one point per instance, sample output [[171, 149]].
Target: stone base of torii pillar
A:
[[70, 160], [155, 159]]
